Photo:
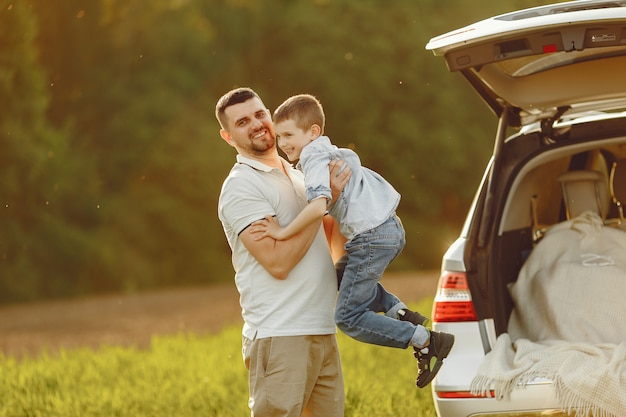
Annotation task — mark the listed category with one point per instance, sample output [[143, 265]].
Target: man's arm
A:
[[279, 257], [336, 241], [340, 174]]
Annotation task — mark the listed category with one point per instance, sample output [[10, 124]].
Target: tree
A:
[[111, 161], [33, 169]]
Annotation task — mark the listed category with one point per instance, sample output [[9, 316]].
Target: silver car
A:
[[528, 295]]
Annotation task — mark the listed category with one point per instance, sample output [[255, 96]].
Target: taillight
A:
[[464, 394], [453, 301]]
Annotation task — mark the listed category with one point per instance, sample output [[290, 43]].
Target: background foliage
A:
[[110, 157]]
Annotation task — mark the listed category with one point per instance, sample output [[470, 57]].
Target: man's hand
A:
[[340, 174]]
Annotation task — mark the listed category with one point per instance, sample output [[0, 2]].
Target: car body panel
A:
[[460, 367]]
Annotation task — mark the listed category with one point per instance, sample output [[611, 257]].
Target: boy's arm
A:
[[279, 257], [313, 211]]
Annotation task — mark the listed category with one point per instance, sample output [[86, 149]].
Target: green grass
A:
[[188, 375]]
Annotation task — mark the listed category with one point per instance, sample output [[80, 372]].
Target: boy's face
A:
[[291, 139]]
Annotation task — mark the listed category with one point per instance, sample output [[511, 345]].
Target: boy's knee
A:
[[344, 328], [343, 323], [339, 319]]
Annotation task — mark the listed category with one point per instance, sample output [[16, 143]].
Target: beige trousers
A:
[[289, 374]]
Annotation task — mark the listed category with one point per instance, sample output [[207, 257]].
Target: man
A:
[[288, 288]]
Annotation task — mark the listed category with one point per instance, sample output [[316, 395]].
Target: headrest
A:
[[585, 191]]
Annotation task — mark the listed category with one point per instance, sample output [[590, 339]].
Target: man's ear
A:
[[316, 130], [226, 136]]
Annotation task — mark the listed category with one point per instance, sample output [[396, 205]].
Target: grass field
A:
[[189, 375]]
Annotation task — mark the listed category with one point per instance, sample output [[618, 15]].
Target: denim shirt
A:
[[365, 202]]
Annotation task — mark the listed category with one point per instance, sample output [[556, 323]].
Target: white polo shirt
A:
[[304, 302]]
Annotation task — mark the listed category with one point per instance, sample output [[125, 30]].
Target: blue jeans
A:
[[361, 296]]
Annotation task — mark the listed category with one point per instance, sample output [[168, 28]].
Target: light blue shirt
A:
[[366, 201]]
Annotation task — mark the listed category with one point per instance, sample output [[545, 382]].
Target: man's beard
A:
[[261, 146]]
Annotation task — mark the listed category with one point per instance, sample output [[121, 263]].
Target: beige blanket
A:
[[569, 321]]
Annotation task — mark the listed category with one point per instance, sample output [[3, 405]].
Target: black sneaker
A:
[[430, 358], [405, 314]]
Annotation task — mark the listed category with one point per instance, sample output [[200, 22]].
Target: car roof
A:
[[544, 61]]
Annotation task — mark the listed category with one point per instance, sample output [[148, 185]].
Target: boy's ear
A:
[[316, 130]]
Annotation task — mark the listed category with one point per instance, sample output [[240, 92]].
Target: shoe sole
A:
[[446, 347]]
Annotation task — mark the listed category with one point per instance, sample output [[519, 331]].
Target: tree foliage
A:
[[110, 156]]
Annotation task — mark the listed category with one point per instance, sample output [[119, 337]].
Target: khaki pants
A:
[[289, 373]]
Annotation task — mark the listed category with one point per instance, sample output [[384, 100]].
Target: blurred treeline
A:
[[110, 157]]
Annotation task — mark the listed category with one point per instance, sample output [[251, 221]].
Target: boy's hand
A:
[[267, 227]]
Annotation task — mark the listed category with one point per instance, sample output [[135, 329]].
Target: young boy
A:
[[366, 215]]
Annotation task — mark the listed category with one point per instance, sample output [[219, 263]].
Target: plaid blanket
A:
[[568, 324]]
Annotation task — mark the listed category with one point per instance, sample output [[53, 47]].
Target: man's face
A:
[[250, 128]]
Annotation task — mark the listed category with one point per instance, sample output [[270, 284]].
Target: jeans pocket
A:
[[381, 254]]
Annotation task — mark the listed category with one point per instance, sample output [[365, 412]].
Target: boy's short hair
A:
[[235, 96], [304, 109]]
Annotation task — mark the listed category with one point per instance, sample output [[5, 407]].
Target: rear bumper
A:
[[538, 399]]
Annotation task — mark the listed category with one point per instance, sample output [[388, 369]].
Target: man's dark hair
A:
[[235, 96]]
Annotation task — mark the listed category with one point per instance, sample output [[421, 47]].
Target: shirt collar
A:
[[260, 166]]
